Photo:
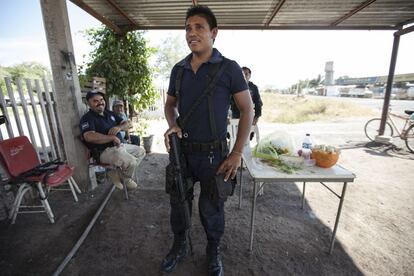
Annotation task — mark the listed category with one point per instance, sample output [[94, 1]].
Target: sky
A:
[[277, 58]]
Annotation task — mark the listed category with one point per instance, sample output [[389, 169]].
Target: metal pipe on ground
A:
[[84, 234]]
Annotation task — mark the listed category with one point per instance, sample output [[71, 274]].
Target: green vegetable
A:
[[282, 166], [269, 155], [266, 152]]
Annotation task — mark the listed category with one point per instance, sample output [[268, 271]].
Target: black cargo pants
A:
[[211, 210]]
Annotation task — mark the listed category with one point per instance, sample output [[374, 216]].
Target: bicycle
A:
[[407, 132]]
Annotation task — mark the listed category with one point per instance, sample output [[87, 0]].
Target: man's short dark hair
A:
[[247, 68], [205, 12]]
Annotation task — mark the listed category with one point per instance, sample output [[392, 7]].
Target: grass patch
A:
[[290, 109]]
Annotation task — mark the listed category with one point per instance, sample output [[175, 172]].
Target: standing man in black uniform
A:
[[254, 93], [203, 134]]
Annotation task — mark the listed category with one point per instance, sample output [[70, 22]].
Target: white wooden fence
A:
[[30, 110]]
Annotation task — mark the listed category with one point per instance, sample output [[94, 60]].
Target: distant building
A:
[[379, 80]]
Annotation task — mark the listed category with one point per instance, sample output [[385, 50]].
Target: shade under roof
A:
[[121, 15]]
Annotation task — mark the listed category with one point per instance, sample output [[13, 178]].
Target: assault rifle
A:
[[182, 185]]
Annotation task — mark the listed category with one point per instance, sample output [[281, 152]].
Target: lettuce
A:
[[272, 147]]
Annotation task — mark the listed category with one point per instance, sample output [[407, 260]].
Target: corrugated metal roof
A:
[[260, 14]]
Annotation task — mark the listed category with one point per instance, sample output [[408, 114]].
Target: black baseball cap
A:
[[93, 93]]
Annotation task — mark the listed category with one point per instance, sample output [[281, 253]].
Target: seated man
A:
[[118, 109], [100, 130]]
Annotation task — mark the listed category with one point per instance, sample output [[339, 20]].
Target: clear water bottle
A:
[[307, 147]]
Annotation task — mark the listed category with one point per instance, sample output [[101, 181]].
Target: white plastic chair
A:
[[232, 129]]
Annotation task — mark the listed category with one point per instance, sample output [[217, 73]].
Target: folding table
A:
[[262, 174]]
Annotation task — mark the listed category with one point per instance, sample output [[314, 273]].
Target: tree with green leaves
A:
[[29, 70], [315, 82], [123, 62], [3, 73], [170, 51], [307, 83], [24, 70]]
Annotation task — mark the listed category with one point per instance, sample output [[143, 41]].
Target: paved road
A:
[[343, 132], [397, 106]]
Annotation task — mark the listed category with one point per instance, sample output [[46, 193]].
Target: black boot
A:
[[215, 265], [177, 253]]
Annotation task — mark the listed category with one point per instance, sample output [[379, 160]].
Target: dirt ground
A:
[[375, 234]]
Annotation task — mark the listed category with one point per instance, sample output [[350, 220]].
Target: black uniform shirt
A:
[[257, 101], [192, 85], [92, 121]]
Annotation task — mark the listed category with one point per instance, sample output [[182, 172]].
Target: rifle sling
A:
[[215, 72]]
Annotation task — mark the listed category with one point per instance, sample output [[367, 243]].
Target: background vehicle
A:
[[360, 91], [410, 93]]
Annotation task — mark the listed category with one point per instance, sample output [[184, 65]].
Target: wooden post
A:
[[68, 95]]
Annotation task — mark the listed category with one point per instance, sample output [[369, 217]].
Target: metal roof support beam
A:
[[405, 31], [116, 7], [390, 79], [275, 11], [261, 27], [409, 21], [98, 16], [354, 11]]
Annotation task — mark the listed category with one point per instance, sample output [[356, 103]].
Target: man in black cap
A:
[[100, 130]]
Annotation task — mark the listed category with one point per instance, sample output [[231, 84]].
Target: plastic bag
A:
[[275, 144]]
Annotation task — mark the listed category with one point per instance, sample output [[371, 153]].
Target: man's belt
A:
[[203, 147]]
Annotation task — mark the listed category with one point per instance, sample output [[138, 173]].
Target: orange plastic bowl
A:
[[324, 159]]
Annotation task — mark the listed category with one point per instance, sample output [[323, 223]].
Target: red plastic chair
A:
[[18, 157]]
